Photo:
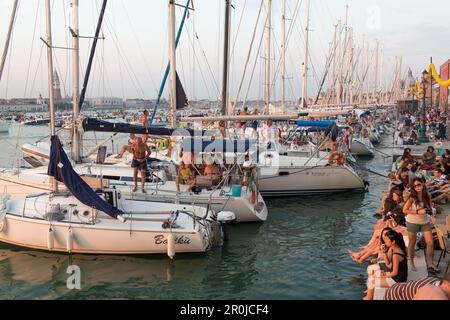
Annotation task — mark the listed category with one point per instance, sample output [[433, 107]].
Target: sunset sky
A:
[[130, 61]]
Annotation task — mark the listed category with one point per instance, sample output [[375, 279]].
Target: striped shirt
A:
[[407, 290]]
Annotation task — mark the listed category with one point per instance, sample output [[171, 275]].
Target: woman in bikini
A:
[[185, 176]]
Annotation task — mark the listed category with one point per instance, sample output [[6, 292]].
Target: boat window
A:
[[126, 179]]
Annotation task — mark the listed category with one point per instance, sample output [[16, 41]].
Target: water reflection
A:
[[299, 253]]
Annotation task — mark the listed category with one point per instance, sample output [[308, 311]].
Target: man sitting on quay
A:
[[430, 288]]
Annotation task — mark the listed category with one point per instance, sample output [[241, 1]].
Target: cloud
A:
[[418, 44]]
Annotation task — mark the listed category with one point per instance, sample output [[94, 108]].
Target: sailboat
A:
[[306, 170], [103, 222], [81, 220], [248, 206]]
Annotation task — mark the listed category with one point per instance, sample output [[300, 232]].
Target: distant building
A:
[[107, 103], [23, 105], [56, 88], [444, 98], [138, 104]]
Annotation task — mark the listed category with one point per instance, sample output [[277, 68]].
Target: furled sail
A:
[[60, 168], [90, 124]]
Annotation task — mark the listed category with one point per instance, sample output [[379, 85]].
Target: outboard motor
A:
[[226, 218]]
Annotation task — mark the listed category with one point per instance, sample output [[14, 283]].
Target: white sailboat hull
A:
[[362, 148], [91, 239], [142, 233], [291, 178]]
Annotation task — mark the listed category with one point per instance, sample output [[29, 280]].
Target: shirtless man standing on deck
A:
[[140, 152], [144, 121]]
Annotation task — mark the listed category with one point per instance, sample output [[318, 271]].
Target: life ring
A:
[[336, 157]]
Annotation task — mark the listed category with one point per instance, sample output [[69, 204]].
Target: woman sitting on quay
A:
[[429, 159], [395, 220], [417, 209], [393, 250]]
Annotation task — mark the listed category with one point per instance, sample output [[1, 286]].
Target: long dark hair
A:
[[415, 195], [397, 191], [398, 238], [381, 234]]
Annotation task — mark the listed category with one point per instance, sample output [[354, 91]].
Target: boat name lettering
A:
[[160, 239]]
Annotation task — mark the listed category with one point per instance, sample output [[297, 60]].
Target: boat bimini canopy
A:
[[315, 124], [329, 127]]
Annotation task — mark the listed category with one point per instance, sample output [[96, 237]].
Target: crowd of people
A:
[[409, 125], [417, 188]]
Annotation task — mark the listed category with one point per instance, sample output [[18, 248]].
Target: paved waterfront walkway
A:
[[416, 150]]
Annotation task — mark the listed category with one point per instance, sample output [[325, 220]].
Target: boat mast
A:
[[362, 72], [333, 78], [351, 57], [305, 63], [50, 78], [173, 88], [381, 74], [375, 88], [167, 71], [76, 136], [283, 56], [344, 54], [267, 31], [8, 37], [339, 62], [226, 56], [367, 73]]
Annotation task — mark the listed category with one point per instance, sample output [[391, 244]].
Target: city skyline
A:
[[130, 61]]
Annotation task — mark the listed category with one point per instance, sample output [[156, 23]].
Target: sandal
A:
[[434, 270]]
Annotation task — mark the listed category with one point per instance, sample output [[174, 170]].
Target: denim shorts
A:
[[415, 228]]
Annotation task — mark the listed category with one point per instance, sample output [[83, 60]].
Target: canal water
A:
[[300, 252]]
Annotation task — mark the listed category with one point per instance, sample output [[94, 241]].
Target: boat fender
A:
[[171, 245], [69, 240], [50, 239], [2, 219]]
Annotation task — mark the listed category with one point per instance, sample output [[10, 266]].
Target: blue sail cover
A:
[[60, 168], [315, 123], [90, 124]]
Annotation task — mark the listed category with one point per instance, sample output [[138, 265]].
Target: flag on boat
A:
[[182, 101], [61, 169]]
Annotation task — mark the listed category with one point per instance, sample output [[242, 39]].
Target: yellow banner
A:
[[431, 71], [442, 83]]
